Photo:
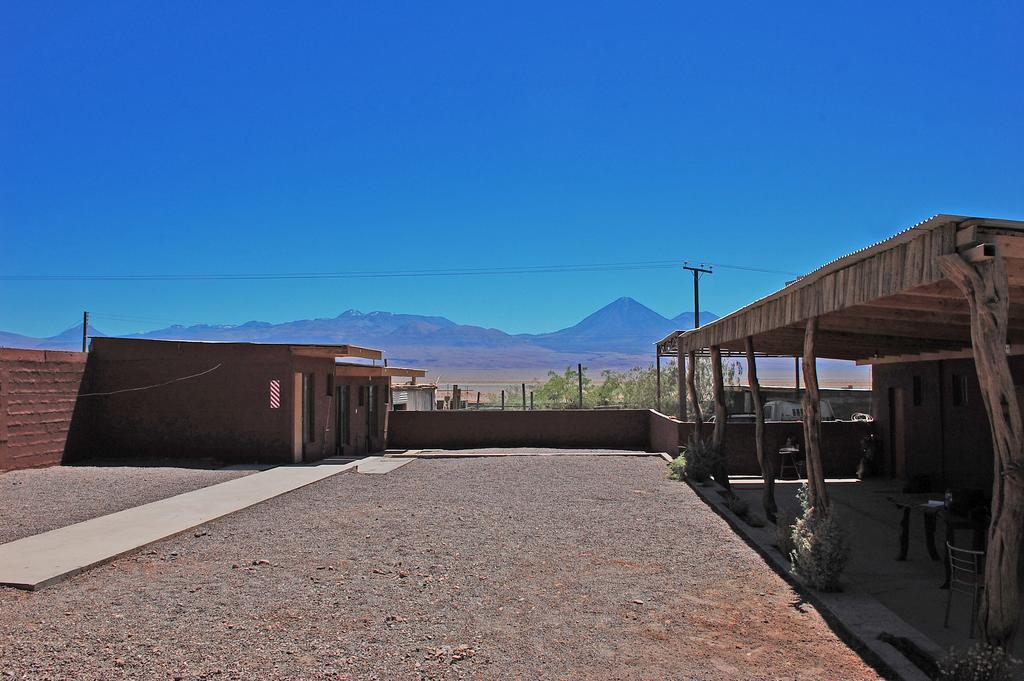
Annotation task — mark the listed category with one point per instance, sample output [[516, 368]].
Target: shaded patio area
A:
[[910, 588]]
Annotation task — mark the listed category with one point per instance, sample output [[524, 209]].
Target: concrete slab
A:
[[379, 465], [862, 616], [34, 562]]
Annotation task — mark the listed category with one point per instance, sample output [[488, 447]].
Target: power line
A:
[[382, 274], [155, 385]]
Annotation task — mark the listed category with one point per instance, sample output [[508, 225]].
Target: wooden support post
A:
[[985, 286], [691, 389], [657, 378], [721, 415], [767, 466], [524, 397], [681, 380], [817, 493]]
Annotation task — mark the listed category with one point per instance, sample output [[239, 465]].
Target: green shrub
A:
[[784, 532], [701, 459], [677, 468], [820, 548], [737, 506], [980, 662]]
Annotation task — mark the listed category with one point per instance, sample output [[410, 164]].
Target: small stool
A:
[[790, 462]]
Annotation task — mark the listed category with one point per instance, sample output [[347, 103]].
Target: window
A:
[[275, 394], [362, 396], [329, 383], [959, 390], [918, 397]]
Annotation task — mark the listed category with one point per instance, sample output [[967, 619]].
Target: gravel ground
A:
[[547, 567], [44, 499]]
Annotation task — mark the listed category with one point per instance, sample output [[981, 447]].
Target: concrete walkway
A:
[[43, 559], [514, 451]]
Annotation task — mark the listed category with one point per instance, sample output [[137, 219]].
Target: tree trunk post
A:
[[986, 289], [817, 493], [691, 389], [718, 436], [771, 509], [657, 379]]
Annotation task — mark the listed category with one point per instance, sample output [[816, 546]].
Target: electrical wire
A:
[[383, 274], [156, 385]]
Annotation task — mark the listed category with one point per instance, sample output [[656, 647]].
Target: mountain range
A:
[[619, 335]]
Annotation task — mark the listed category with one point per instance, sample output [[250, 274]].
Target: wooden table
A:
[[931, 512], [908, 503]]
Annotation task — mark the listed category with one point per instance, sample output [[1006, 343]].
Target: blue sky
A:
[[142, 138]]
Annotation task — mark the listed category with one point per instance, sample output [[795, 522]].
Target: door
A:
[[343, 432], [897, 442], [298, 398], [371, 417]]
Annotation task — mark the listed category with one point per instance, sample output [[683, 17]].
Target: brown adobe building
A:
[[237, 402]]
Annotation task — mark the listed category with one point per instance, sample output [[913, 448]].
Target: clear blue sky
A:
[[140, 138]]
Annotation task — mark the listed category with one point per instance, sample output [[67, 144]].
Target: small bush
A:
[[701, 458], [784, 532], [677, 468], [980, 662], [820, 548], [737, 506], [754, 520]]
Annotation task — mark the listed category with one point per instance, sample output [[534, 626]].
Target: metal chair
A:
[[966, 569]]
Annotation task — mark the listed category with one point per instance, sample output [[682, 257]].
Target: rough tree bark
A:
[[691, 390], [767, 467], [718, 436], [817, 493], [985, 286]]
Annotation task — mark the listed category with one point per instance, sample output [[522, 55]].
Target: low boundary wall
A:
[[639, 429], [38, 395], [572, 429]]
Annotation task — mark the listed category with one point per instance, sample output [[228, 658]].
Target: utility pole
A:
[[85, 331], [696, 291], [680, 365]]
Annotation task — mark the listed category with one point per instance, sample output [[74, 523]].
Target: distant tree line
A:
[[634, 388]]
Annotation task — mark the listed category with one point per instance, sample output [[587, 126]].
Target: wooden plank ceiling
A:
[[888, 302]]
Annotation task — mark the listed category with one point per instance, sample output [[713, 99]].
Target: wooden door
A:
[[897, 435], [298, 396], [343, 429]]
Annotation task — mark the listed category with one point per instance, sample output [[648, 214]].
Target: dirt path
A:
[[488, 568]]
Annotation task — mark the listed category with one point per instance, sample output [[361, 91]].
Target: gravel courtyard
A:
[[546, 567], [34, 501]]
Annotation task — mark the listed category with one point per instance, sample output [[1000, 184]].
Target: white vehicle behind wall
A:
[[791, 410]]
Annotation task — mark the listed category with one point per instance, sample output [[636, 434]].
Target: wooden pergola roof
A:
[[887, 302]]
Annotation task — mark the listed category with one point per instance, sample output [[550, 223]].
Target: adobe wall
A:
[[160, 408], [950, 443], [573, 429], [840, 445], [614, 429], [37, 404]]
